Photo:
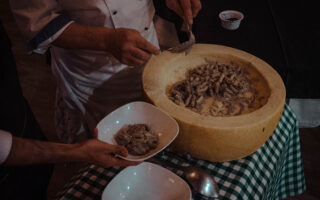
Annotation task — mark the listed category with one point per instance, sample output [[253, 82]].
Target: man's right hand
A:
[[129, 47]]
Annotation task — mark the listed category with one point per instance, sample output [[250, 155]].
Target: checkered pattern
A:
[[274, 171]]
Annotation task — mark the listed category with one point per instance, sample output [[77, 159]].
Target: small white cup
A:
[[230, 19]]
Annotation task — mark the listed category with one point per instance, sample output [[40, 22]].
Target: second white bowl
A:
[[139, 113]]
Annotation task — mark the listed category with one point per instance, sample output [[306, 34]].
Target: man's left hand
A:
[[186, 9]]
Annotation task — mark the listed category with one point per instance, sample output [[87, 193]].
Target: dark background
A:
[[285, 34]]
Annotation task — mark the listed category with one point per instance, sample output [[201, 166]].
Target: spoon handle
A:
[[166, 163]]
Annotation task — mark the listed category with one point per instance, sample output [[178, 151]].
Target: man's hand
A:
[[186, 9], [102, 154], [129, 47], [31, 152]]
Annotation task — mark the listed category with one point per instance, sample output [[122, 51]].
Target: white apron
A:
[[90, 84]]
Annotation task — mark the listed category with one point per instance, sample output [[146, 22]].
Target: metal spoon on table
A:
[[201, 181]]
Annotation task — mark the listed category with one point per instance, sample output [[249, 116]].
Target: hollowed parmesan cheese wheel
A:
[[211, 138]]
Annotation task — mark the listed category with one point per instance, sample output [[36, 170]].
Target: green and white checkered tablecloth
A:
[[274, 171]]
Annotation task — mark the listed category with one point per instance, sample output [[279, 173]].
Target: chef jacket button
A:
[[114, 12], [146, 28]]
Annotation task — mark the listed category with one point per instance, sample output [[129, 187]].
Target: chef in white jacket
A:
[[98, 48]]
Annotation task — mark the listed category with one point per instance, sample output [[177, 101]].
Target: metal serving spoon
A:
[[185, 46], [201, 182]]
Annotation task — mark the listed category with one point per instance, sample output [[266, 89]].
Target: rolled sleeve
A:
[[41, 42], [40, 21], [5, 145]]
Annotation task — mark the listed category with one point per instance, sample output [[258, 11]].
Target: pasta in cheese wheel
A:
[[217, 138]]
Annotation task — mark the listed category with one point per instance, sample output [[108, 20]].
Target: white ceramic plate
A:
[[147, 181], [139, 113]]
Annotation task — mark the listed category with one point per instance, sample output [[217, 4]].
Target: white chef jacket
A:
[[5, 145], [90, 84]]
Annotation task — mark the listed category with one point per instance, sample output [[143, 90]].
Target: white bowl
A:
[[139, 113], [225, 17], [147, 181]]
